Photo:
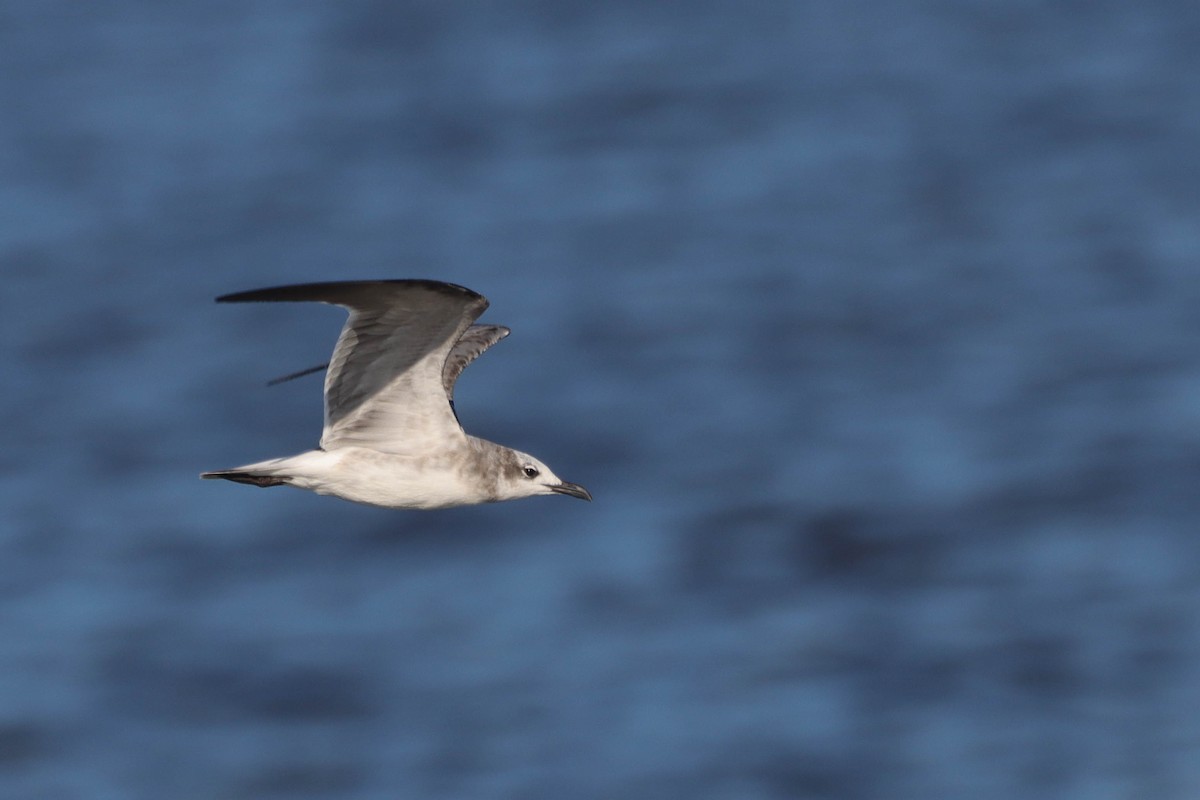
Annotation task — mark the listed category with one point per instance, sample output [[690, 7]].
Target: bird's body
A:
[[391, 436]]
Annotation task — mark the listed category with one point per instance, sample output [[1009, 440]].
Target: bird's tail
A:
[[242, 476], [275, 472]]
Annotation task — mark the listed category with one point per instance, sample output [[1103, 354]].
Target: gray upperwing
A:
[[384, 388], [469, 347]]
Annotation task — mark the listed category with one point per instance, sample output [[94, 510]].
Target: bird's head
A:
[[525, 476]]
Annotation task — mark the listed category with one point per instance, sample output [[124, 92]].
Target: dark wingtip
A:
[[294, 375], [334, 291]]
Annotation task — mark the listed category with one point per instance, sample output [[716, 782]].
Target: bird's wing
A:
[[291, 376], [469, 347], [385, 388]]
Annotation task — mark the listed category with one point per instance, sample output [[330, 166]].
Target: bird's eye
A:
[[531, 472]]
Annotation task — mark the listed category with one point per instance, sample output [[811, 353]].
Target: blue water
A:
[[871, 327]]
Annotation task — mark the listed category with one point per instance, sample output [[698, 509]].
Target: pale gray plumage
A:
[[469, 347], [391, 436]]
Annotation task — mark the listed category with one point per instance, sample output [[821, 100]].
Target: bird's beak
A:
[[573, 489]]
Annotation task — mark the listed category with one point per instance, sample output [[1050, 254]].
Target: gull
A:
[[392, 437]]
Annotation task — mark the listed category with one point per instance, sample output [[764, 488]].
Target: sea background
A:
[[872, 327]]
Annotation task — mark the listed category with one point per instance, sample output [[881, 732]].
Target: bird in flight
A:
[[391, 436]]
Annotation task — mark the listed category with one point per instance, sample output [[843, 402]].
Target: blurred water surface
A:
[[870, 326]]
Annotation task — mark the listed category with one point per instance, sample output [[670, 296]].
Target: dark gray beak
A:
[[573, 489]]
